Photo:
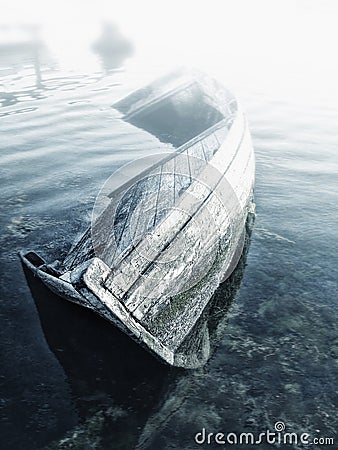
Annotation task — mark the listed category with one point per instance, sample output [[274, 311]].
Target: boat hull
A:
[[155, 256]]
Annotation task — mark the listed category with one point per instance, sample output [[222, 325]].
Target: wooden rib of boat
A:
[[174, 230]]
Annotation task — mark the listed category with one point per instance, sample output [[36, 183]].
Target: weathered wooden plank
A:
[[166, 195], [182, 174], [210, 146], [140, 219], [123, 277], [185, 259]]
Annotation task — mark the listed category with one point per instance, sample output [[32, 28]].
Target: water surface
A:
[[71, 374]]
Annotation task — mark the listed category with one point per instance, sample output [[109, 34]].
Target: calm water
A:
[[68, 376]]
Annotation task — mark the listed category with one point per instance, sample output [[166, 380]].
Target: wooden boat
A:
[[162, 241], [112, 47]]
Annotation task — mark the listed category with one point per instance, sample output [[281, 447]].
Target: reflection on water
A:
[[23, 51], [21, 47], [112, 48]]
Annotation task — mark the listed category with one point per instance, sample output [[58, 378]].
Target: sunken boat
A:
[[166, 230]]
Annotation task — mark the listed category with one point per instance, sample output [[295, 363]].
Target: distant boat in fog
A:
[[112, 47]]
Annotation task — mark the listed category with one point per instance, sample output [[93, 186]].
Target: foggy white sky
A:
[[286, 41]]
